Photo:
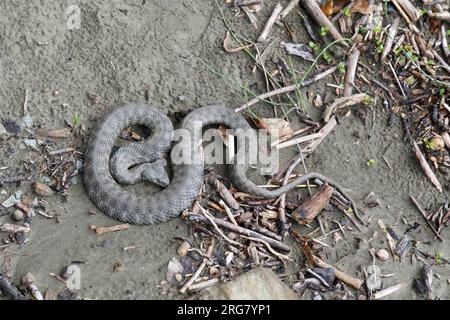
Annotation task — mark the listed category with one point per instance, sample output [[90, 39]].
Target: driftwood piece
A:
[[316, 13], [311, 208], [424, 215], [390, 38], [426, 167], [291, 5], [390, 240], [351, 281], [269, 24], [242, 231]]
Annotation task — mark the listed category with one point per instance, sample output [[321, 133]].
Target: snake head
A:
[[156, 173]]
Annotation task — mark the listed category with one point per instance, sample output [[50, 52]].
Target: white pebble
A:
[[382, 254]]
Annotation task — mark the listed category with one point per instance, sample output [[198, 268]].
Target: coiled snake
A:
[[105, 172]]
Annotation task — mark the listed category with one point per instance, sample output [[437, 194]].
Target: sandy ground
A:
[[127, 51]]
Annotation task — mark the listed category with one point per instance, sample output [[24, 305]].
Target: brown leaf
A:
[[327, 8], [275, 126], [361, 6]]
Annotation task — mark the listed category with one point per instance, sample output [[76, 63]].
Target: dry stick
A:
[[325, 131], [61, 152], [225, 194], [208, 216], [390, 240], [286, 89], [279, 255], [269, 24], [440, 59], [204, 285], [342, 103], [398, 81], [253, 19], [351, 71], [240, 230], [426, 167], [25, 103], [424, 215], [446, 138], [405, 16], [228, 212], [291, 5], [385, 292], [103, 230], [282, 205], [445, 15], [351, 281], [390, 39], [200, 269], [316, 13], [409, 9], [298, 141]]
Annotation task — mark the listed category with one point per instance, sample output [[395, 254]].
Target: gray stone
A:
[[257, 284]]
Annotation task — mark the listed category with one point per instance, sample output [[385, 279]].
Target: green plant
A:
[[441, 91], [438, 258], [341, 67], [371, 162], [367, 100], [76, 120], [324, 31], [346, 12], [379, 45], [328, 57], [377, 29]]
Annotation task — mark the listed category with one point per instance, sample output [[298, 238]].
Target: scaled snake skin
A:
[[103, 169]]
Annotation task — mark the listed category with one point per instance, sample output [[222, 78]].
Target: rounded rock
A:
[[18, 215], [382, 254]]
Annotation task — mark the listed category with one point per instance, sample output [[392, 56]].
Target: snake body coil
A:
[[101, 171]]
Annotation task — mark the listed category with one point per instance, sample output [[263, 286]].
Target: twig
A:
[[398, 81], [286, 89], [200, 269], [342, 103], [291, 5], [351, 281], [269, 24], [298, 141], [426, 167], [390, 39], [351, 71], [424, 215], [316, 13], [214, 224], [228, 212], [61, 152], [103, 230], [25, 103], [240, 230], [385, 292], [279, 255]]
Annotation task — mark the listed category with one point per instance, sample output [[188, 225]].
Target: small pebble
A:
[[43, 190], [183, 249], [18, 215], [382, 254]]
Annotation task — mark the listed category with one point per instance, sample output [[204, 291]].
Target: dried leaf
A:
[[276, 127], [327, 8], [362, 6]]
